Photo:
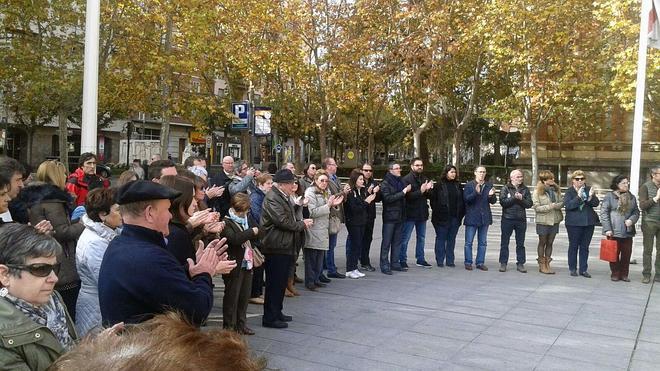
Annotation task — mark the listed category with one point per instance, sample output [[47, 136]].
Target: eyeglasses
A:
[[38, 269], [579, 179], [367, 170]]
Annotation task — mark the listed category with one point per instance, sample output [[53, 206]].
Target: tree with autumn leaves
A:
[[331, 64]]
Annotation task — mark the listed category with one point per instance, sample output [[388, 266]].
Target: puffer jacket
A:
[[513, 208], [282, 231], [317, 236], [615, 222], [579, 212], [547, 212], [89, 254], [43, 201], [27, 345], [394, 201]]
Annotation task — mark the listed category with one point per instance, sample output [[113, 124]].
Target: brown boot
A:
[[541, 261], [547, 265], [289, 286]]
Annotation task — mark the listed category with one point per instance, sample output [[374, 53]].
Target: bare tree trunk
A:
[[533, 144], [165, 114], [322, 142], [456, 148], [245, 146], [371, 148], [64, 141], [296, 152], [30, 140]]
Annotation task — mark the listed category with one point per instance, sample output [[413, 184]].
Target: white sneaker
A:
[[360, 274], [352, 274]]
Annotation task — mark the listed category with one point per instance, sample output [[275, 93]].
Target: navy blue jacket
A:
[[477, 205], [139, 278], [579, 212]]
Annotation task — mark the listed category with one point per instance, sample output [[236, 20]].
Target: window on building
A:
[[151, 134]]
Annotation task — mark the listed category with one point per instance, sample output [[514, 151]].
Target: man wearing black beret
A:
[[279, 245], [138, 277]]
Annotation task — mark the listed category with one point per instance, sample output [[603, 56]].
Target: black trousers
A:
[[238, 284], [356, 234], [366, 244], [257, 282], [277, 273]]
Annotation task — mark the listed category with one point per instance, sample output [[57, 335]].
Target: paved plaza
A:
[[453, 319]]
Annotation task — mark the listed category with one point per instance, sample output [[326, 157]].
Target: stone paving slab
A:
[[453, 319]]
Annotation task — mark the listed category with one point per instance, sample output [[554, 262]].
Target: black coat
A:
[[394, 201], [356, 209], [371, 210], [440, 202], [513, 208], [417, 208], [221, 204], [180, 243]]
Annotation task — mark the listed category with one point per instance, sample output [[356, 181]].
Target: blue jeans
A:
[[420, 227], [482, 237], [329, 262], [508, 226], [390, 245], [579, 239], [445, 241]]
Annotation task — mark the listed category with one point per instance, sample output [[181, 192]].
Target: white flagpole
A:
[[638, 122], [88, 127]]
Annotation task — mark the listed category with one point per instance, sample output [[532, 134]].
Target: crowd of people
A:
[[80, 259]]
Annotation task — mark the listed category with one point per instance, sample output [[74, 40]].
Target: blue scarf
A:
[[242, 221]]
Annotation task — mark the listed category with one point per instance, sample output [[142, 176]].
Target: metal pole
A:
[[88, 134], [638, 122]]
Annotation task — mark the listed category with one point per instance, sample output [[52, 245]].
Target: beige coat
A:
[[317, 236], [547, 213]]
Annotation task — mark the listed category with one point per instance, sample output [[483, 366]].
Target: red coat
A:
[[79, 184]]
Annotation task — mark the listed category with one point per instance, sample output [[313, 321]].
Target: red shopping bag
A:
[[608, 250]]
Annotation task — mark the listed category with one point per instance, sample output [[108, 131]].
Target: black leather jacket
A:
[[513, 208]]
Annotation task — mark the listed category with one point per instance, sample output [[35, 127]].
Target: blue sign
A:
[[241, 111], [278, 148]]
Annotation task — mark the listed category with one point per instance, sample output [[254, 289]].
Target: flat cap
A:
[[144, 190], [284, 176]]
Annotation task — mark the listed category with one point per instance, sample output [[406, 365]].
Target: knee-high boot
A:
[[548, 270]]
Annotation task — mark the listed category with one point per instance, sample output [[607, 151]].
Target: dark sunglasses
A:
[[367, 170], [578, 179], [38, 269]]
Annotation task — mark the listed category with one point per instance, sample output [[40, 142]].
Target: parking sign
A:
[[241, 111]]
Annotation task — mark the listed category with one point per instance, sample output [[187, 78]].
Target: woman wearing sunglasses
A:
[[581, 218], [34, 325], [47, 199]]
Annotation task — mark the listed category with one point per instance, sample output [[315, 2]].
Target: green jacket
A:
[[25, 344]]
